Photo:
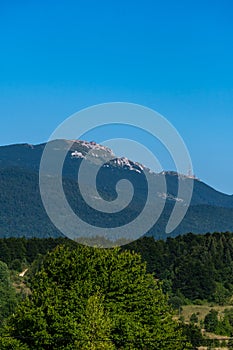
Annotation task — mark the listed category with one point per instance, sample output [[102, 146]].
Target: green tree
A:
[[193, 333], [8, 343], [211, 321], [194, 318], [230, 343], [194, 278], [176, 303], [221, 294], [103, 294], [7, 293], [16, 265], [95, 327], [224, 327], [4, 252]]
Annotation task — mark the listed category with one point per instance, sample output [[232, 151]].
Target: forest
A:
[[194, 267], [123, 291]]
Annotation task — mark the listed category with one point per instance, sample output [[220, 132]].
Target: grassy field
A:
[[201, 311]]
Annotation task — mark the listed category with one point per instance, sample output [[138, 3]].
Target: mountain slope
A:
[[22, 212]]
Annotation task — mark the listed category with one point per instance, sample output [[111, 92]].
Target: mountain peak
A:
[[21, 207]]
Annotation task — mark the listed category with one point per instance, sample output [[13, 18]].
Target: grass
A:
[[202, 311]]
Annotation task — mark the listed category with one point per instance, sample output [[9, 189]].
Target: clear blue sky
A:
[[174, 56]]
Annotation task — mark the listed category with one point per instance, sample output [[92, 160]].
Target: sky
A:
[[174, 56]]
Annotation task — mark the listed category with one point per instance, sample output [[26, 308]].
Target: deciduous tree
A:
[[84, 295]]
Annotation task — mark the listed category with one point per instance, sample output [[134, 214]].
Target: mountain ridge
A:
[[19, 191]]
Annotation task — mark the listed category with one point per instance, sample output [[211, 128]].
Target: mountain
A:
[[22, 212]]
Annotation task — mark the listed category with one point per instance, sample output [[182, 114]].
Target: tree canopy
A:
[[92, 298], [7, 293]]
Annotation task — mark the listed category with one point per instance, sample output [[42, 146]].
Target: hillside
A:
[[22, 212], [195, 271]]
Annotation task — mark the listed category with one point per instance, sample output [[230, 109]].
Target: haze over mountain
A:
[[22, 212]]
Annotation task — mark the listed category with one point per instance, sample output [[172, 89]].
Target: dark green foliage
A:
[[22, 212], [5, 252], [193, 318], [196, 266], [222, 294], [228, 313], [83, 296], [199, 277], [211, 321], [194, 335], [7, 293], [19, 250], [176, 303], [219, 325], [230, 343], [16, 265], [166, 259], [225, 324]]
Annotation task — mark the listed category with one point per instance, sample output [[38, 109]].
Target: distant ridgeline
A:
[[22, 212], [191, 266]]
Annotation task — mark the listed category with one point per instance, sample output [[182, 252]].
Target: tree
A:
[[194, 318], [230, 343], [96, 326], [8, 343], [83, 295], [194, 279], [4, 252], [176, 303], [221, 294], [7, 293], [193, 333], [211, 321]]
